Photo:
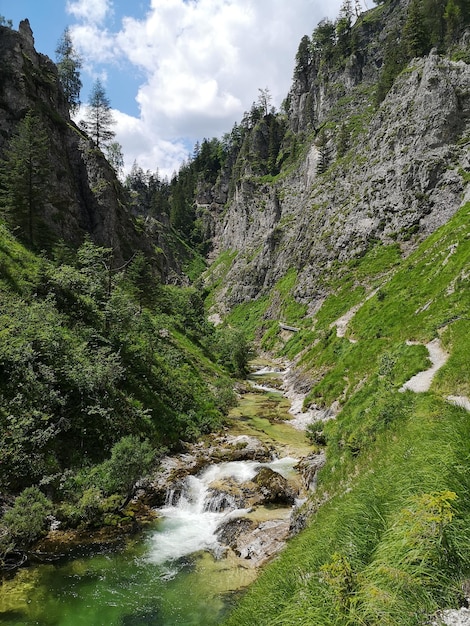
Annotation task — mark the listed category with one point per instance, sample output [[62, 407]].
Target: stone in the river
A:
[[274, 487]]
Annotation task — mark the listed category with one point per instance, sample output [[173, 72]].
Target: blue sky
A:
[[176, 71], [49, 18]]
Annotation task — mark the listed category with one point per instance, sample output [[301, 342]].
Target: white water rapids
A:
[[190, 524]]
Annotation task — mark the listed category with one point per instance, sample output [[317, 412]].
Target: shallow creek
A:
[[176, 572]]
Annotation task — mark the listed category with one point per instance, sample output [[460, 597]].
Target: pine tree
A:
[[24, 176], [342, 140], [68, 66], [303, 59], [323, 152], [454, 20], [99, 117], [415, 35], [115, 157]]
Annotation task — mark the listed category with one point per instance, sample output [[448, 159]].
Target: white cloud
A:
[[94, 11], [202, 63], [89, 37], [142, 144]]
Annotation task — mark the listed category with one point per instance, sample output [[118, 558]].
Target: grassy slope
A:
[[390, 543]]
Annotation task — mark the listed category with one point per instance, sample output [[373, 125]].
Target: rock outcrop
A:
[[84, 196], [406, 176], [403, 173]]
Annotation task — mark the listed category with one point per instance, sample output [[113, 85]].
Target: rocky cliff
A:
[[403, 173], [84, 195]]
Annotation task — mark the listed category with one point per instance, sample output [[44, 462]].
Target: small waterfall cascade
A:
[[192, 514]]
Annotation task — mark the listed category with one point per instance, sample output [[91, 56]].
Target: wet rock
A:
[[168, 481], [245, 448], [261, 544], [274, 488], [229, 533], [225, 495], [308, 468]]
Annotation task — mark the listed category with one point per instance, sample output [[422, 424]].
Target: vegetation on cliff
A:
[[102, 366], [96, 359], [387, 538]]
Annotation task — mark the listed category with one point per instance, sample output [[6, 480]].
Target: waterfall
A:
[[190, 521]]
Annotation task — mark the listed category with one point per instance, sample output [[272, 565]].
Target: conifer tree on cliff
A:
[[68, 65], [99, 118], [24, 176]]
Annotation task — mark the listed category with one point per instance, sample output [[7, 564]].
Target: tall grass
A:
[[388, 544], [390, 547]]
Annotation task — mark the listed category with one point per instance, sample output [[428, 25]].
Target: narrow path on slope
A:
[[422, 381], [342, 322]]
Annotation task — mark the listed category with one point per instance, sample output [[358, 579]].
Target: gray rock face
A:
[[404, 176], [84, 195], [257, 545]]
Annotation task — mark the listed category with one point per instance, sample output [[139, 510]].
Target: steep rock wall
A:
[[84, 195], [404, 176]]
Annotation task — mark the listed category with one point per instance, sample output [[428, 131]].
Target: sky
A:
[[176, 71]]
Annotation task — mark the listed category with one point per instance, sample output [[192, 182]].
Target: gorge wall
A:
[[404, 172], [84, 195]]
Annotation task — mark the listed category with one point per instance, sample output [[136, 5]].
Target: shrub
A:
[[26, 520]]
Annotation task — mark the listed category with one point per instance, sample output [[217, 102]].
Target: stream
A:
[[177, 572]]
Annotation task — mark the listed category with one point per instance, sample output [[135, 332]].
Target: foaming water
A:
[[190, 524]]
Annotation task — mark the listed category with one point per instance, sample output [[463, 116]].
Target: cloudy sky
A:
[[176, 71]]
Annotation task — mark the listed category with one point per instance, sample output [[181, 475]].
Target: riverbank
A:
[[218, 510]]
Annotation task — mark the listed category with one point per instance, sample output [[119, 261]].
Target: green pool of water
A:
[[123, 588]]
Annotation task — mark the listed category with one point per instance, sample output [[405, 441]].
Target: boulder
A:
[[274, 488]]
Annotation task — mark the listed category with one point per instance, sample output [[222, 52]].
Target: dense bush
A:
[[96, 371]]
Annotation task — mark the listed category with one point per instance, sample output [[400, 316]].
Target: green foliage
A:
[[386, 544], [233, 350], [130, 460], [26, 519], [429, 23], [24, 178], [395, 59], [89, 354], [96, 495], [68, 67], [324, 155], [415, 35], [99, 117]]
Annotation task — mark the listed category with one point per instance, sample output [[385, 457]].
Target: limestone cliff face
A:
[[84, 195], [403, 176], [319, 87]]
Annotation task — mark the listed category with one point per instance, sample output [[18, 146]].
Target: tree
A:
[[453, 19], [342, 140], [115, 157], [415, 34], [264, 100], [99, 117], [68, 66], [27, 518], [5, 22], [303, 59], [323, 39], [130, 460], [323, 152], [24, 175]]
